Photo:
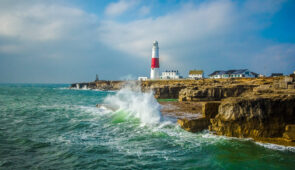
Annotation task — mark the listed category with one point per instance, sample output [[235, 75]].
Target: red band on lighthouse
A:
[[155, 63]]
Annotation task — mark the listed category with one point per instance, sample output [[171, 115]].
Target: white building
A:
[[196, 74], [142, 78], [276, 74], [233, 74], [174, 74]]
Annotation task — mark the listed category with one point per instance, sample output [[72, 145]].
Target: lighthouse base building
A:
[[173, 75]]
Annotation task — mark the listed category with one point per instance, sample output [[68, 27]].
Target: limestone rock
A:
[[208, 93], [194, 125], [166, 92], [256, 116], [210, 109], [289, 133]]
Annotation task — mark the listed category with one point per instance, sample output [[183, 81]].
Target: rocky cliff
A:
[[213, 93], [257, 117], [100, 85], [259, 108], [262, 109], [264, 112]]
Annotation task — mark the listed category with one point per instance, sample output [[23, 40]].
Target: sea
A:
[[49, 126]]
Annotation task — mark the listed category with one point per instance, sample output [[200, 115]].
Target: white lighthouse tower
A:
[[155, 72]]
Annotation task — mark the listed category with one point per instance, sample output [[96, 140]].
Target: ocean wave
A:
[[86, 89], [140, 105], [276, 147], [62, 88]]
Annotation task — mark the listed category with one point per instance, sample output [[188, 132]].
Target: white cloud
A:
[[24, 27], [143, 11], [275, 58], [174, 29], [117, 8], [41, 22]]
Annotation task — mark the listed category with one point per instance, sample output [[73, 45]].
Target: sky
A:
[[65, 41]]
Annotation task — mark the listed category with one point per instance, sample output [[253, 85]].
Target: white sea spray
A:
[[141, 105], [136, 103]]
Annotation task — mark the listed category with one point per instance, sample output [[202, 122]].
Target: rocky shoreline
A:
[[258, 108]]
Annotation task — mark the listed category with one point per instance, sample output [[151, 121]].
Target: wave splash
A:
[[136, 103]]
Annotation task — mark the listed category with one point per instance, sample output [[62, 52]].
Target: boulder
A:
[[194, 125]]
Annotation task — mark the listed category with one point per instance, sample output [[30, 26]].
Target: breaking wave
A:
[[276, 147], [136, 103]]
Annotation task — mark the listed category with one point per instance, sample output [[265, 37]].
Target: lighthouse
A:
[[155, 72]]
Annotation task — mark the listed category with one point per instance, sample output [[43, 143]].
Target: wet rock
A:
[[179, 110], [194, 125], [289, 133], [209, 110]]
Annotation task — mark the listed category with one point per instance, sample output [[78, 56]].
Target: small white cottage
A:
[[196, 74]]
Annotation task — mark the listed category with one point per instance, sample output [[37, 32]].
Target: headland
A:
[[259, 108]]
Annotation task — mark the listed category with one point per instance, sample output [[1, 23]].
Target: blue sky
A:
[[72, 40]]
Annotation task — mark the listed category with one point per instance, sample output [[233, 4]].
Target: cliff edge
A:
[[258, 108]]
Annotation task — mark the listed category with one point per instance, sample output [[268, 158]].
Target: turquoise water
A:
[[51, 127]]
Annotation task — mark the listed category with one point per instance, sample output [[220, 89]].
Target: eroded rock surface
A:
[[259, 116], [195, 124]]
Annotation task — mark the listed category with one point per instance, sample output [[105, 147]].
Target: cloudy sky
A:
[[64, 41]]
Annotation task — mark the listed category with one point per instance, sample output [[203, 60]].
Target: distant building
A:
[[96, 78], [233, 74], [261, 75], [276, 74], [196, 74], [173, 74], [142, 78]]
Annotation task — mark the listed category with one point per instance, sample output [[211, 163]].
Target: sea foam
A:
[[276, 147], [136, 103]]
